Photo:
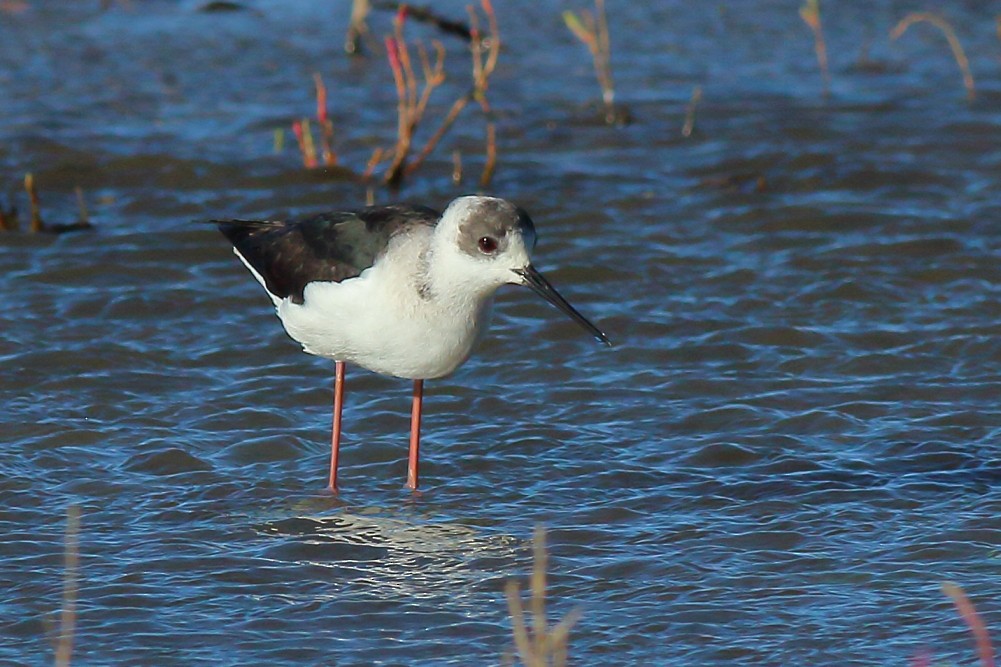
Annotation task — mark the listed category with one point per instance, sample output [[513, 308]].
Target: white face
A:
[[491, 239], [487, 242]]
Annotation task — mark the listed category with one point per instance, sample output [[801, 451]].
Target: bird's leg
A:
[[335, 440], [415, 435]]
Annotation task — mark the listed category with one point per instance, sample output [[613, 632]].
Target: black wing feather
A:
[[329, 247]]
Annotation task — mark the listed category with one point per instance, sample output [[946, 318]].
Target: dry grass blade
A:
[[540, 563], [81, 203], [950, 36], [810, 13], [378, 155], [582, 27], [973, 621], [36, 215], [484, 51], [592, 30], [304, 136], [689, 126], [323, 119], [358, 28], [521, 639], [490, 165], [411, 106], [67, 620], [536, 643], [456, 167]]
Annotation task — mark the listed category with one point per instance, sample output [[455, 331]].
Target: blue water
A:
[[792, 444]]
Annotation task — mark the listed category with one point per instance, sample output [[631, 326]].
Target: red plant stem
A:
[[305, 144], [453, 113], [973, 621], [491, 163], [321, 98]]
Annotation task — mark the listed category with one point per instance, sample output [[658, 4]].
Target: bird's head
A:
[[491, 242]]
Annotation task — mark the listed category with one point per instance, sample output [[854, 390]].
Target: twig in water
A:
[[689, 126], [304, 136], [358, 28], [456, 167], [973, 621], [592, 30], [326, 125], [541, 645], [425, 15], [484, 51], [378, 155], [410, 105], [810, 13], [304, 133], [36, 216], [950, 36], [67, 617], [82, 206], [484, 63]]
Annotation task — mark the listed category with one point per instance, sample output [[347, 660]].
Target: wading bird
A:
[[399, 290]]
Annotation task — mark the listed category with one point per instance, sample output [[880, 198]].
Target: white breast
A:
[[381, 321]]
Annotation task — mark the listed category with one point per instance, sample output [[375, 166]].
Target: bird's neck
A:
[[446, 280]]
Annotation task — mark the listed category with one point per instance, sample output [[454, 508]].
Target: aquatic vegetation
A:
[[693, 103], [456, 167], [538, 644], [71, 564], [36, 215], [973, 622], [810, 13], [303, 132], [411, 105], [950, 36], [484, 51], [413, 92], [9, 221], [592, 30], [358, 26]]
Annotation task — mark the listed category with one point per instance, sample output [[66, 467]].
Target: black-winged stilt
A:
[[399, 290]]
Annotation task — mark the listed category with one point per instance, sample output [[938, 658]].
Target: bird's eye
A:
[[488, 245]]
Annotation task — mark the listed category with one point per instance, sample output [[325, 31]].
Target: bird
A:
[[401, 290]]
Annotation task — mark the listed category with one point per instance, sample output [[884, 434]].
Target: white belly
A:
[[380, 322]]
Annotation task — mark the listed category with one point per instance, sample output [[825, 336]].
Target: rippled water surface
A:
[[794, 441]]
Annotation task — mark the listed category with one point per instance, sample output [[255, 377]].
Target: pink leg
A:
[[335, 441], [415, 435]]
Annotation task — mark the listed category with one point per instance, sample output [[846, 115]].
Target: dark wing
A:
[[329, 247]]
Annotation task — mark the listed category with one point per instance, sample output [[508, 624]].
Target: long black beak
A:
[[541, 286]]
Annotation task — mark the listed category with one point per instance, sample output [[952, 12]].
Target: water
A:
[[792, 444]]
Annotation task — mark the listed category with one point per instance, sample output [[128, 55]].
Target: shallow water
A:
[[793, 442]]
